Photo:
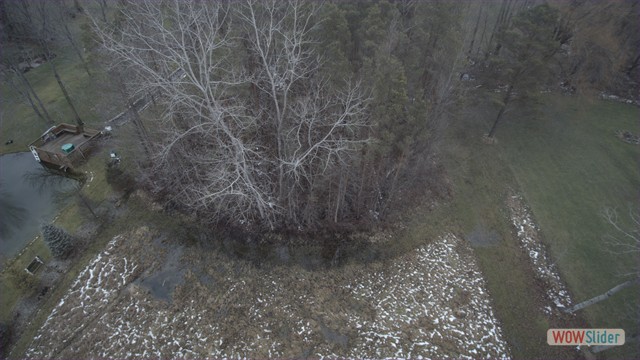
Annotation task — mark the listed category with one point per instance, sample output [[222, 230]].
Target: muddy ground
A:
[[430, 302]]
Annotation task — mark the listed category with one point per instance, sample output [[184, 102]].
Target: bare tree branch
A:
[[214, 151]]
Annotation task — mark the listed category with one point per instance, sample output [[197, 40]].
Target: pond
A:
[[29, 196]]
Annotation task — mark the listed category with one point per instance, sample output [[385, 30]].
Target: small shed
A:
[[63, 146], [35, 264]]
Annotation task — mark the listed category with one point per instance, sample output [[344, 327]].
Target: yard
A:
[[565, 162], [568, 165]]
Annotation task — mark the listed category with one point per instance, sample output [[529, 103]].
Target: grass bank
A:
[[13, 277], [481, 182], [18, 122]]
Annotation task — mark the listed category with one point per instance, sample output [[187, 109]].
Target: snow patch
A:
[[429, 303], [545, 270]]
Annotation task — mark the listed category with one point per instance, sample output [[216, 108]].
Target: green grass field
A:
[[481, 182], [91, 95], [19, 121], [569, 166]]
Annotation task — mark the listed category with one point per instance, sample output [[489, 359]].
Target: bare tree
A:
[[77, 117], [61, 15], [45, 27], [18, 19], [14, 65], [314, 132], [103, 9], [248, 135], [625, 241], [528, 46], [21, 84], [603, 45]]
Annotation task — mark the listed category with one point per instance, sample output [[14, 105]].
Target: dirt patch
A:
[[483, 237], [430, 302], [628, 137]]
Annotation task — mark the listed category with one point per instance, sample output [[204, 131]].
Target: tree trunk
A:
[[75, 47], [85, 202], [27, 95], [9, 26], [342, 186], [484, 30], [77, 6], [505, 103], [503, 22], [475, 30], [141, 131], [601, 297], [496, 27], [67, 97], [35, 96], [502, 13], [103, 9], [509, 13], [392, 187], [495, 123], [634, 64], [24, 7]]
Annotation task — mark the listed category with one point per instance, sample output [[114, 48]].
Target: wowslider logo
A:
[[589, 337]]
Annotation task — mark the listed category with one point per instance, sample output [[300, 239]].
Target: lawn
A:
[[570, 166], [19, 121], [481, 183], [14, 277], [91, 95]]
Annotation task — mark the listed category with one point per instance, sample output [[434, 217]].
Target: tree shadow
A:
[[12, 215]]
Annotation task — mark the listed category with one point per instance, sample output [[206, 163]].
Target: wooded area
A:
[[303, 115], [320, 144]]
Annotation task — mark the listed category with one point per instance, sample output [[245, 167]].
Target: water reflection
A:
[[29, 196], [56, 183], [163, 282], [12, 215]]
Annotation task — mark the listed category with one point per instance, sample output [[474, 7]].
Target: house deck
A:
[[55, 145], [48, 148]]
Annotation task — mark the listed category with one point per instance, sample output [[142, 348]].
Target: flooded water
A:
[[28, 198], [163, 282]]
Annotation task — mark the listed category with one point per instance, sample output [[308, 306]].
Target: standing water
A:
[[28, 198]]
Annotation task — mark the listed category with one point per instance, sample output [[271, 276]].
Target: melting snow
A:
[[429, 303], [545, 270]]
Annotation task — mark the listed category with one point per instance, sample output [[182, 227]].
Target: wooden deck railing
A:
[[59, 158]]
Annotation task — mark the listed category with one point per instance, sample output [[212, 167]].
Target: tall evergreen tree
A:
[[58, 240], [335, 45]]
